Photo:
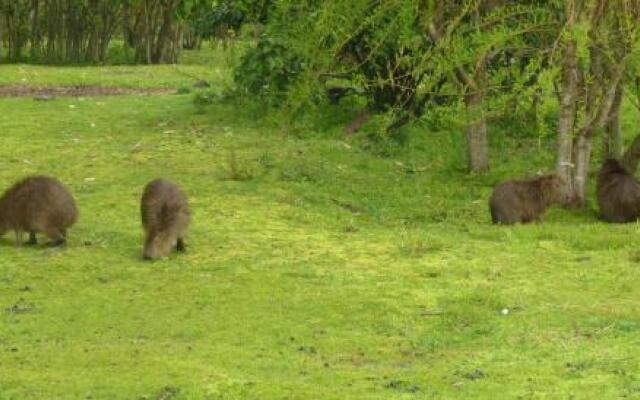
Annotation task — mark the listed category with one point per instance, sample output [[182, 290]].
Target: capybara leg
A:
[[57, 238], [148, 252], [33, 240], [180, 246]]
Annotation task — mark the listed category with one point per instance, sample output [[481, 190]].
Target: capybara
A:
[[524, 200], [165, 218], [38, 204], [618, 193]]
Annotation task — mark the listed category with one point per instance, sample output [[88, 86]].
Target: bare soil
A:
[[75, 91]]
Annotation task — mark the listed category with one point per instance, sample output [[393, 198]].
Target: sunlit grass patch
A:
[[315, 267]]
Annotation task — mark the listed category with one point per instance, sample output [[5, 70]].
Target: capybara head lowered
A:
[[165, 218]]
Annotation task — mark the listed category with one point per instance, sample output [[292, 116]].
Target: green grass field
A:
[[315, 269]]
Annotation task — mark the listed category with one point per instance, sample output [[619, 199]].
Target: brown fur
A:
[[618, 193], [38, 204], [165, 218], [524, 200]]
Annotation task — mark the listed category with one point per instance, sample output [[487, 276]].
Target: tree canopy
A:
[[470, 60]]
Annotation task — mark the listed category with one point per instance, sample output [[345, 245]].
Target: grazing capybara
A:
[[38, 204], [165, 218], [525, 200], [618, 193]]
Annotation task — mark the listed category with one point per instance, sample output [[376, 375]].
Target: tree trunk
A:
[[568, 98], [564, 166], [612, 139], [35, 32], [167, 37], [148, 32], [582, 159], [582, 150], [601, 91], [159, 54], [476, 131], [632, 156]]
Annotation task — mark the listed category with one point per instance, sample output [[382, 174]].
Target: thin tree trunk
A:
[[35, 32], [612, 139], [583, 148], [164, 47], [568, 97], [602, 86], [147, 33], [582, 159], [476, 132], [632, 156]]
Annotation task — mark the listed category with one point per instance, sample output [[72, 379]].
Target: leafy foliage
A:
[[384, 52], [268, 69], [212, 19]]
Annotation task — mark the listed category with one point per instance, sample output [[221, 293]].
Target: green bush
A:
[[268, 69]]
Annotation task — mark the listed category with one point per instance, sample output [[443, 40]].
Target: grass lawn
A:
[[315, 269], [208, 65]]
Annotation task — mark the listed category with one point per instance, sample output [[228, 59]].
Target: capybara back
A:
[[524, 200], [165, 218], [38, 204], [618, 193]]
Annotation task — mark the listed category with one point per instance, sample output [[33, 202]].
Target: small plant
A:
[[299, 172], [350, 227], [419, 247], [205, 98], [266, 160], [235, 170]]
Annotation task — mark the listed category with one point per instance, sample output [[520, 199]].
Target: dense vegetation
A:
[[434, 60]]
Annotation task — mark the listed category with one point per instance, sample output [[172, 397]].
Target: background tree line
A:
[[81, 31]]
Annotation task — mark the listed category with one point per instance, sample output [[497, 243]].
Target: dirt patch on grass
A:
[[74, 91]]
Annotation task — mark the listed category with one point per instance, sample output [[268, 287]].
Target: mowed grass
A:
[[315, 269], [209, 65]]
